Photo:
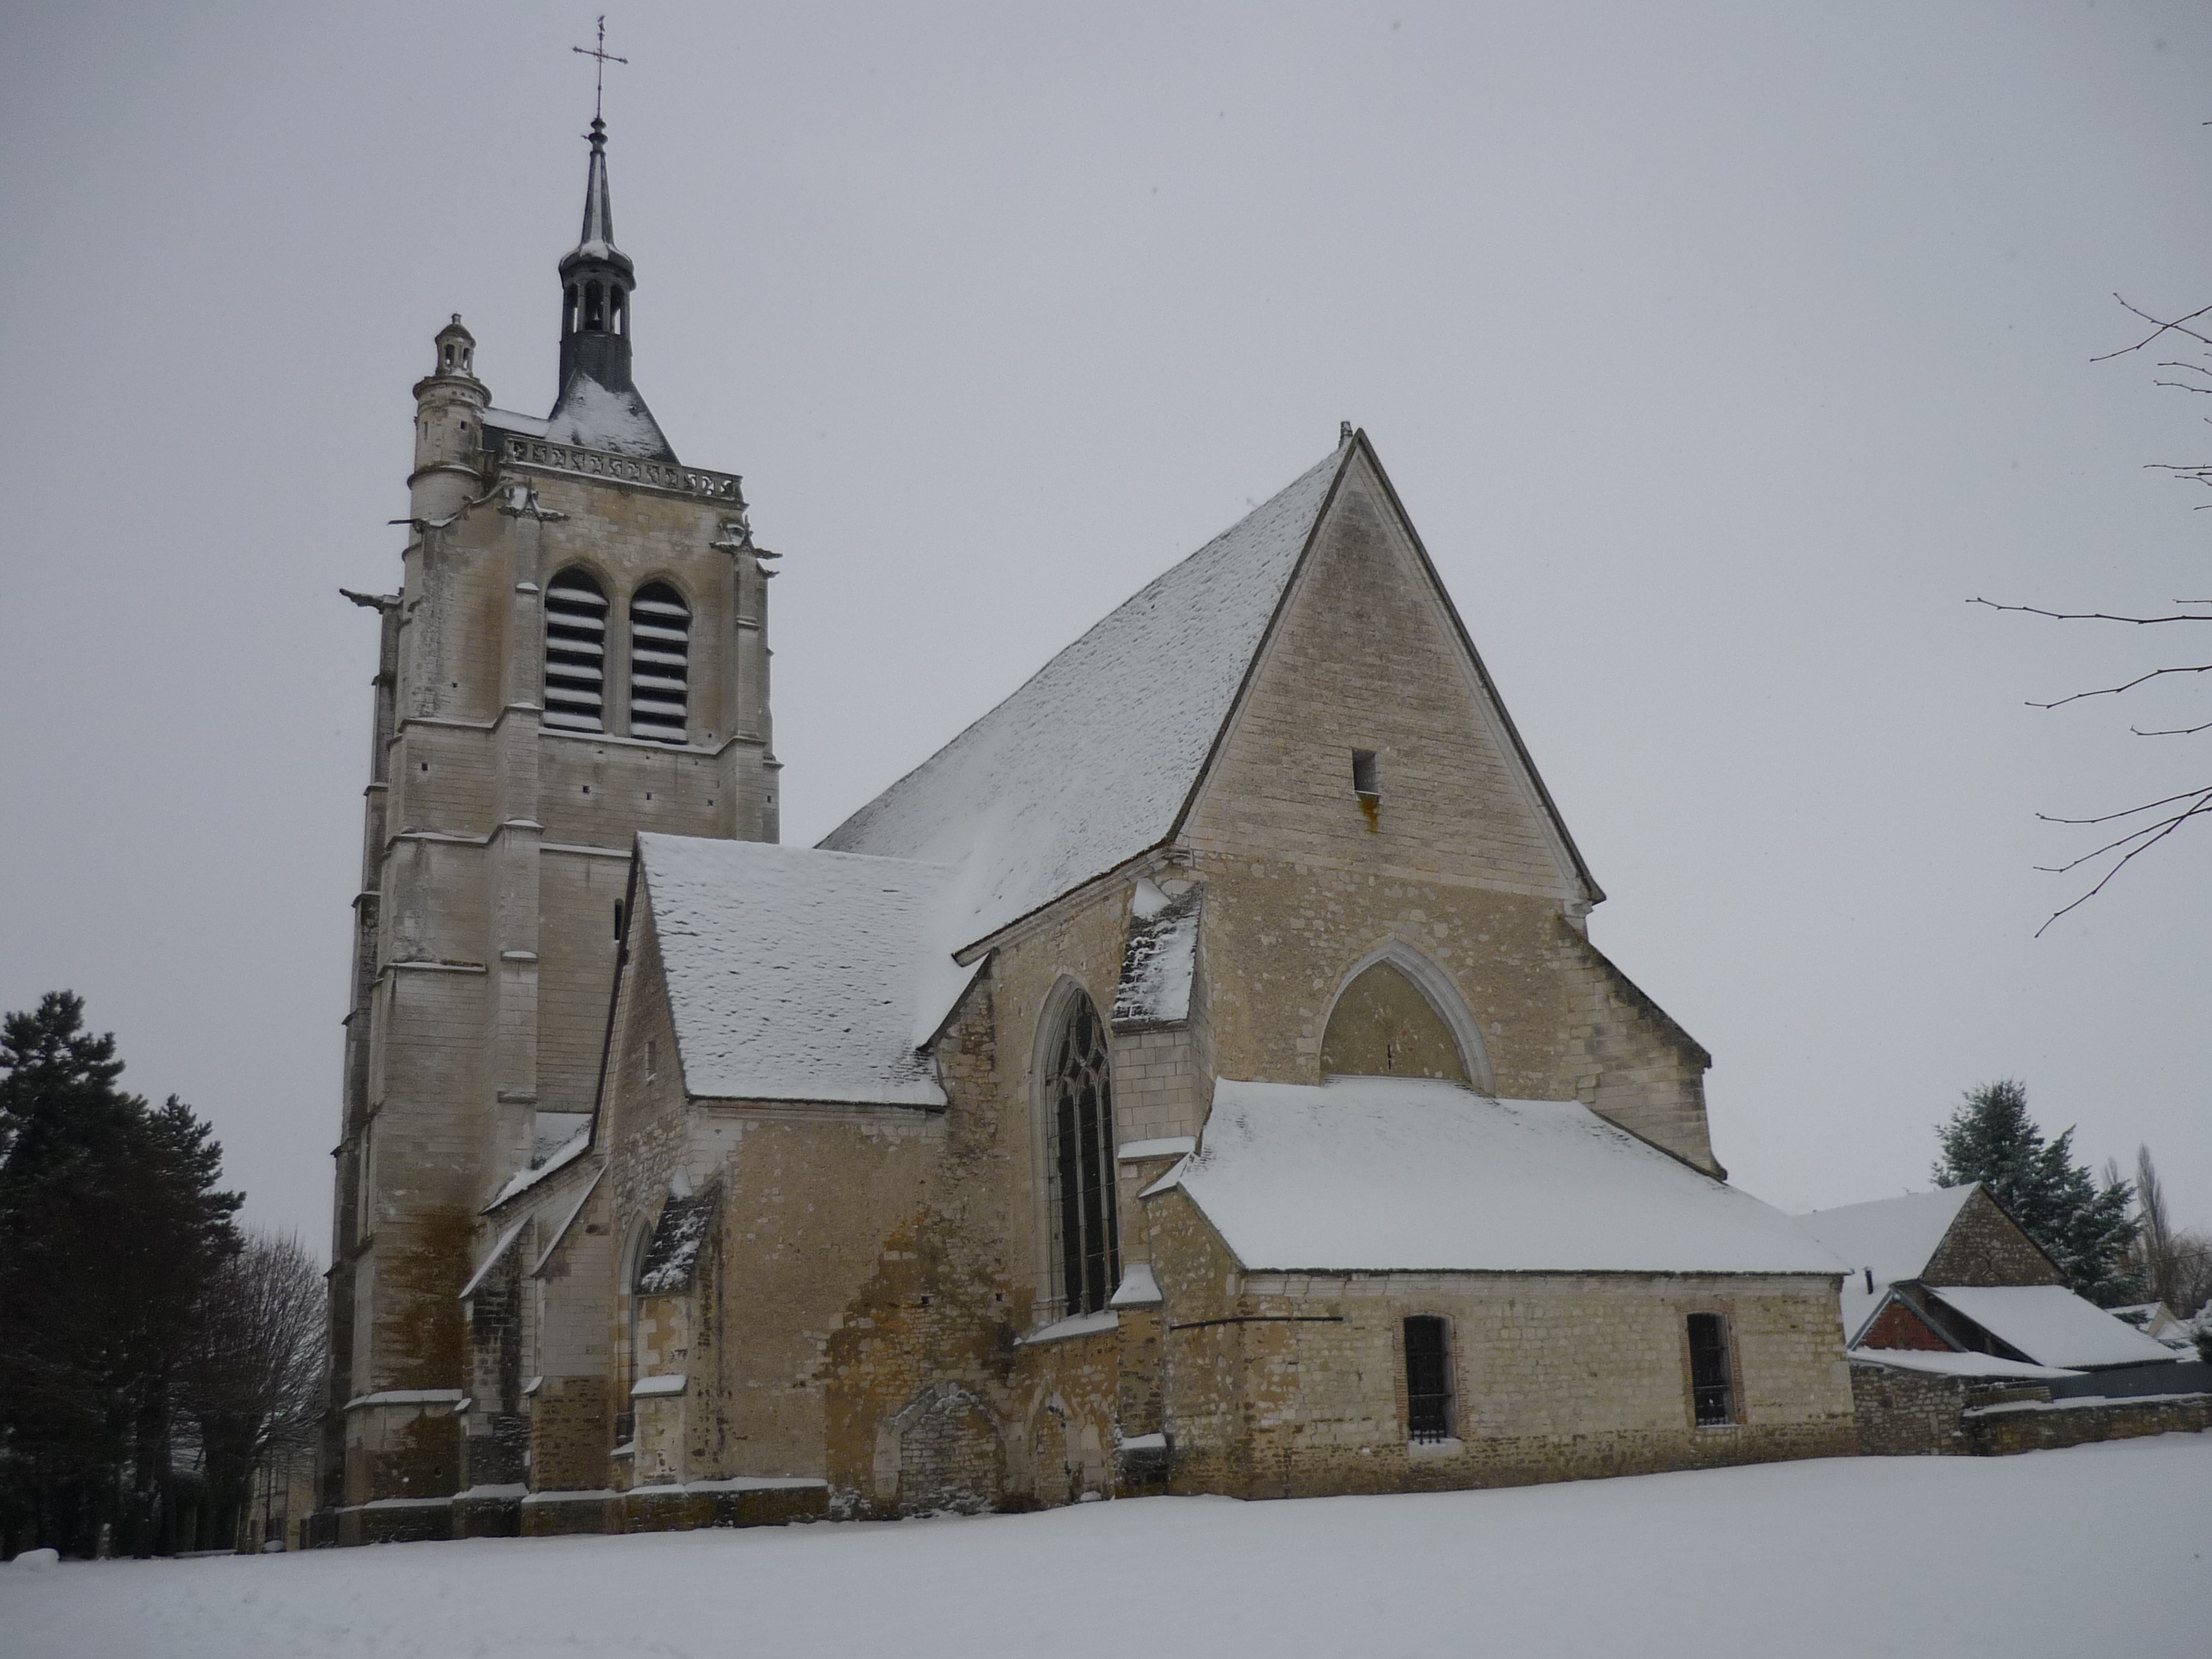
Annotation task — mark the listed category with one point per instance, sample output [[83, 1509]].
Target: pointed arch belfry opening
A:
[[1398, 1014]]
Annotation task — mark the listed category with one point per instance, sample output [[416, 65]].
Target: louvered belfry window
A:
[[660, 664], [1079, 1103], [576, 653]]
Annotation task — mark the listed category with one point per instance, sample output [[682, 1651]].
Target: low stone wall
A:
[[747, 1502], [1905, 1414], [2041, 1425]]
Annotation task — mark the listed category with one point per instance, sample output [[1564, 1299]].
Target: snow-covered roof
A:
[[2051, 1325], [1088, 764], [1975, 1365], [505, 1242], [592, 416], [795, 973], [506, 420], [530, 1174], [1893, 1236], [1370, 1174]]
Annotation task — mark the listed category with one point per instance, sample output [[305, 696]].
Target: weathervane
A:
[[605, 57]]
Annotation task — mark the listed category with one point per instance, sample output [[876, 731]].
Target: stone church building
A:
[[1195, 1077]]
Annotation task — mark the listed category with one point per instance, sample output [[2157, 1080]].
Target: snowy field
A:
[[2099, 1550]]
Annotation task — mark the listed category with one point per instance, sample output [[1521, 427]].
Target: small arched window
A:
[[660, 664], [576, 653], [595, 306], [568, 310], [622, 312], [1079, 1153]]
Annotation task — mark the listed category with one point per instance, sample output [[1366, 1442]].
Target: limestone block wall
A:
[[1283, 1386]]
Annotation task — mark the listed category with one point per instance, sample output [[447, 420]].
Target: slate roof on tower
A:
[[1095, 759]]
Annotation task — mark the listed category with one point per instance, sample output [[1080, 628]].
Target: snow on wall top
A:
[[1915, 1359], [1087, 764], [673, 1251], [1162, 958], [794, 974], [1372, 1174], [1893, 1236], [2053, 1326], [591, 417]]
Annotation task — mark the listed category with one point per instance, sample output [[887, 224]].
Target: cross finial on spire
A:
[[605, 57]]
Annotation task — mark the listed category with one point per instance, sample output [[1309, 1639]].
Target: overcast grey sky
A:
[[1719, 353]]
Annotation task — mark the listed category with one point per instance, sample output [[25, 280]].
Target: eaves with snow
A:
[[1384, 1174]]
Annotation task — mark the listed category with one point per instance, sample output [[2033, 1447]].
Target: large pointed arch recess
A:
[[1397, 1013]]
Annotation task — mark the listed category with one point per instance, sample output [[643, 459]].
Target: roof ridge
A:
[[1069, 775]]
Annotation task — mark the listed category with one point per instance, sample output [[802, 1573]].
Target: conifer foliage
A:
[[111, 1231], [2084, 1227]]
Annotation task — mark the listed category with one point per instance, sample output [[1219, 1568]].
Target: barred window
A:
[[576, 653], [660, 664], [1711, 1395], [1428, 1379], [1079, 1114]]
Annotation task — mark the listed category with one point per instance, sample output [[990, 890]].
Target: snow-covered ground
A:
[[2097, 1550]]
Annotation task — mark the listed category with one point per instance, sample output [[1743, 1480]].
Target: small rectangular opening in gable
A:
[[1366, 775]]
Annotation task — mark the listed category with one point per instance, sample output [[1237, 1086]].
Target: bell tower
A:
[[576, 651]]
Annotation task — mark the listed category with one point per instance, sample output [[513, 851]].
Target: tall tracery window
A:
[[660, 664], [1079, 1118], [576, 653]]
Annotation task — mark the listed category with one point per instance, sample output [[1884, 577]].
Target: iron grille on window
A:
[[1710, 1391], [576, 653], [1428, 1380], [660, 666], [1080, 1103]]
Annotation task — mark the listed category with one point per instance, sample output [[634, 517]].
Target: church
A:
[[1194, 1077]]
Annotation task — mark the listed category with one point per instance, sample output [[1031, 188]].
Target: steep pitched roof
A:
[[1894, 1237], [794, 974], [1090, 762], [1372, 1174], [1883, 1241]]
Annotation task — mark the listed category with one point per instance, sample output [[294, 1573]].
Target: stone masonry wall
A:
[[1293, 1386], [1985, 1246], [1456, 861]]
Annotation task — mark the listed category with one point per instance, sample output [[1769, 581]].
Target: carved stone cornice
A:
[[516, 450]]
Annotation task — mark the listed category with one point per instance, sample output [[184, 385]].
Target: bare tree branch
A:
[[2179, 325], [2111, 817], [2173, 731], [2171, 825], [2097, 616], [2114, 690]]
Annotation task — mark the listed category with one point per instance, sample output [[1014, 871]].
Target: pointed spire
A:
[[599, 407], [598, 211]]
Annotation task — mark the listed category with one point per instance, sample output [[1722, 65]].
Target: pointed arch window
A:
[[660, 664], [1079, 1132], [576, 653]]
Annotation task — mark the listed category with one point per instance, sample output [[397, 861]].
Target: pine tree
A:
[[2084, 1227], [111, 1231]]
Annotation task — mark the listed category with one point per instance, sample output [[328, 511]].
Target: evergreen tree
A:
[[2084, 1227], [111, 1231]]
